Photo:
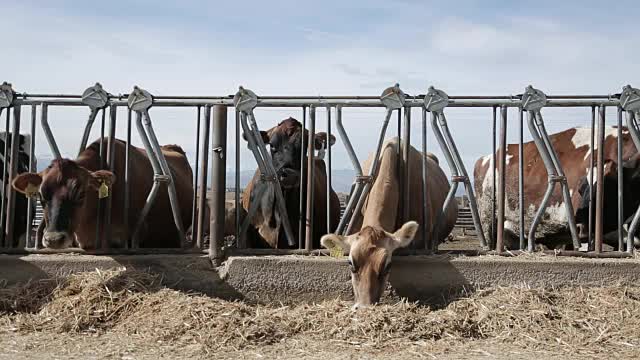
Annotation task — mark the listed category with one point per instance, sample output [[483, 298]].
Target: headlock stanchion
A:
[[245, 101], [140, 101], [533, 100], [435, 101], [393, 99], [630, 102], [96, 99]]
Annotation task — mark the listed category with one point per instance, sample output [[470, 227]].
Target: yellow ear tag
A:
[[103, 190], [31, 190], [336, 252]]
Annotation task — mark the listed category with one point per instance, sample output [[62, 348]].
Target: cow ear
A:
[[97, 178], [321, 139], [404, 235], [610, 168], [24, 181], [331, 241], [264, 134]]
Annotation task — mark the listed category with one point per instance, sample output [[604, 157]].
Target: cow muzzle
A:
[[57, 239], [583, 231], [289, 178]]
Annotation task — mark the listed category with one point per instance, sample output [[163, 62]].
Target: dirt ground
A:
[[41, 346], [131, 315]]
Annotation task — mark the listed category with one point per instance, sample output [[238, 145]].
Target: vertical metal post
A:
[[494, 126], [591, 244], [194, 204], [13, 170], [111, 164], [328, 145], [426, 239], [218, 179], [406, 169], [135, 239], [503, 177], [31, 202], [620, 183], [127, 183], [600, 180], [310, 177], [400, 170], [241, 240], [303, 184], [99, 207], [5, 182], [46, 129], [202, 189], [523, 244]]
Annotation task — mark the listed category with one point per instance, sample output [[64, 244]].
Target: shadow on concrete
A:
[[429, 280], [185, 273]]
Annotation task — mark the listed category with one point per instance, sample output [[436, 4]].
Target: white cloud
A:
[[59, 52]]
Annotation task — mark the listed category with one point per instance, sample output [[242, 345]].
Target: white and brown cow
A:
[[374, 239], [572, 147]]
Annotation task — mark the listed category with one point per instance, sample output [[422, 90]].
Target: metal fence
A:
[[210, 138]]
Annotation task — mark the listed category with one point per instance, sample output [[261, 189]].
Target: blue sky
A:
[[319, 48]]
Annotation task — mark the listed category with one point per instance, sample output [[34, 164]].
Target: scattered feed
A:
[[136, 306]]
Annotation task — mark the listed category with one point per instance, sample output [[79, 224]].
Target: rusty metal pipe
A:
[[204, 173], [502, 169], [310, 179], [218, 186]]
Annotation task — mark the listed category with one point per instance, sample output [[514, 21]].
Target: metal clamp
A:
[[435, 100], [364, 179], [267, 178], [245, 100], [162, 178], [139, 100], [6, 95], [95, 97], [630, 98], [533, 99], [392, 97]]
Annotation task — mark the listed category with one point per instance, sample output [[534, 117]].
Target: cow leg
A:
[[40, 234]]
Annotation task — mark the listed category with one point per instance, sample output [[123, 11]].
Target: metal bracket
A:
[[95, 97], [6, 95], [533, 99], [393, 98], [245, 100], [140, 100], [218, 150], [162, 178], [436, 100]]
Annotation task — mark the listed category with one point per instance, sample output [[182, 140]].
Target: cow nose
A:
[[582, 231]]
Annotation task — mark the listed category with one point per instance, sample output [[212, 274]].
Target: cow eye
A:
[[352, 267]]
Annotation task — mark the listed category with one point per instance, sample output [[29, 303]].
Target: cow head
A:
[[285, 142], [631, 181], [370, 252], [63, 187]]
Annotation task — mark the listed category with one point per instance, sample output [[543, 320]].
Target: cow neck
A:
[[89, 159]]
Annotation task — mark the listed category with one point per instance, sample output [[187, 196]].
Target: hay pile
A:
[[575, 321]]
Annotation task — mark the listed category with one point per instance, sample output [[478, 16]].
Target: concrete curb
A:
[[290, 279]]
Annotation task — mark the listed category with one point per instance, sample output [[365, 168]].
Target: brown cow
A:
[[572, 147], [285, 141], [69, 192], [370, 249]]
